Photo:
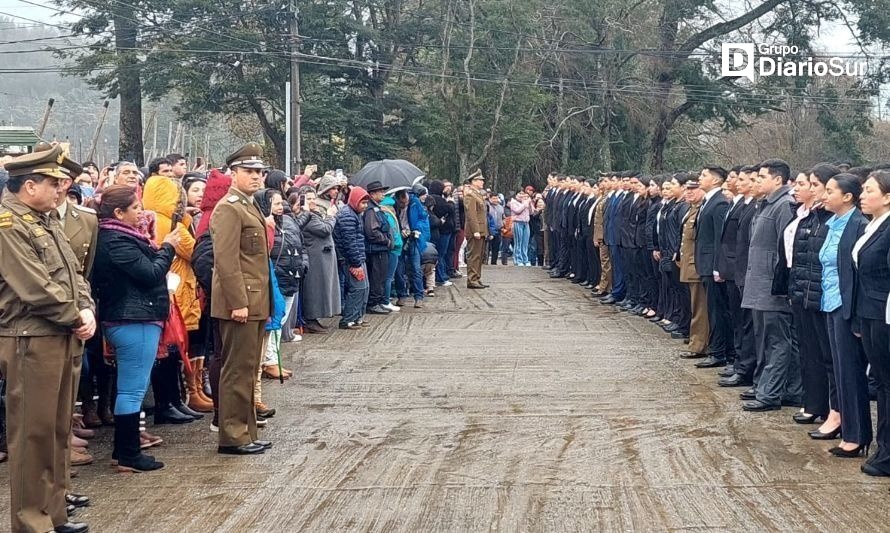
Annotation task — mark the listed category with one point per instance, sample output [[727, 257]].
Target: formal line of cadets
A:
[[778, 279], [229, 262]]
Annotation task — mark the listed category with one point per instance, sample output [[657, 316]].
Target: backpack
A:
[[507, 230]]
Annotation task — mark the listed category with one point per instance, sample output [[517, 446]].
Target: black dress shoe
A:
[[869, 470], [268, 412], [736, 380], [247, 449], [266, 444], [479, 286], [791, 403], [711, 362], [484, 285], [756, 406], [77, 500], [693, 355], [188, 411], [804, 418], [672, 327], [748, 395], [727, 372], [831, 435], [860, 450], [677, 334], [171, 415], [655, 319], [72, 527], [70, 510], [608, 300]]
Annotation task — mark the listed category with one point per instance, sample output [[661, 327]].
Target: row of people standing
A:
[[780, 284]]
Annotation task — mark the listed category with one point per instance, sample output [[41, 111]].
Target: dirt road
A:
[[524, 407]]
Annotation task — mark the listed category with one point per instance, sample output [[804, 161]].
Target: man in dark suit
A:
[[708, 235], [732, 265], [612, 223]]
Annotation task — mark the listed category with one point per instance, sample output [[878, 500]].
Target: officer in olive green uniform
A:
[[46, 315], [241, 300], [476, 228], [698, 326]]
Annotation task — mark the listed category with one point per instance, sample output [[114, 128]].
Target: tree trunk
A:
[[129, 89]]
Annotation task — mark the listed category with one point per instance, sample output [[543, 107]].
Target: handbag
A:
[[175, 335]]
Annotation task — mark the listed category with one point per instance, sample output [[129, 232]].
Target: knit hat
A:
[[327, 183]]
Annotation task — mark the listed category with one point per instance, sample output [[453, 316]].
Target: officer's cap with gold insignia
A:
[[47, 163], [248, 156], [475, 176], [68, 165]]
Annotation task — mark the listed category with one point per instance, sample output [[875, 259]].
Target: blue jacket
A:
[[349, 237], [389, 208], [419, 219], [279, 310]]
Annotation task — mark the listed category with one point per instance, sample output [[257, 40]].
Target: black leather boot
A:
[[126, 443]]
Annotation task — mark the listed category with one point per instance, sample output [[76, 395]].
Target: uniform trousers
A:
[[876, 340], [811, 328], [242, 346], [778, 376], [39, 404], [850, 362], [720, 335], [746, 354], [605, 280], [699, 327], [475, 250]]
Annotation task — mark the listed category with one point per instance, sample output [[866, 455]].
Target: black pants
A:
[[594, 269], [876, 340], [494, 248], [815, 350], [685, 312], [746, 355], [720, 333], [564, 252], [580, 258], [538, 259], [378, 267], [850, 361], [736, 318]]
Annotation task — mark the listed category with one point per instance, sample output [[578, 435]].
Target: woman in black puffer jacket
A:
[[290, 261], [129, 278], [804, 237]]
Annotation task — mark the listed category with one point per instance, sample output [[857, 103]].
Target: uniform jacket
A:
[[599, 220], [41, 293], [727, 250], [873, 275], [688, 272], [82, 229], [846, 273], [240, 258], [670, 234], [476, 213], [763, 253], [743, 240], [709, 232], [651, 236]]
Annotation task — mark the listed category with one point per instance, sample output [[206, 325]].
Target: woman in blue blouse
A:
[[849, 362]]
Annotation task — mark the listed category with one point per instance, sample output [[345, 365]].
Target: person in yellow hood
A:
[[165, 198]]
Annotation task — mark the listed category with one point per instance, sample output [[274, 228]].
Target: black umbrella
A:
[[392, 173]]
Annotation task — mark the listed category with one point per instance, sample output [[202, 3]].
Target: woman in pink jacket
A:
[[522, 209]]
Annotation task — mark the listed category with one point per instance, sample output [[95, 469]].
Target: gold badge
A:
[[28, 218], [5, 223], [38, 232]]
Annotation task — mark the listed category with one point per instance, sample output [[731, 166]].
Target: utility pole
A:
[[49, 108], [95, 144], [295, 146]]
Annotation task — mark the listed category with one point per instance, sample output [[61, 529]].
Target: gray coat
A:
[[763, 254], [321, 287]]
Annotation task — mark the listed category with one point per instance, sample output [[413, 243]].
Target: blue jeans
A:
[[445, 247], [520, 243], [409, 267], [355, 295], [391, 275], [135, 347]]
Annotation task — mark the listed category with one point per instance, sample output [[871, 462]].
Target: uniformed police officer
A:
[[46, 315], [476, 229], [241, 300]]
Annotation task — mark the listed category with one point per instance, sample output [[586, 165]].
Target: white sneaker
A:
[[297, 338], [391, 307], [447, 283], [214, 428]]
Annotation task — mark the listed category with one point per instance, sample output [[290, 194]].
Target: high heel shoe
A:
[[831, 435], [860, 450], [803, 418]]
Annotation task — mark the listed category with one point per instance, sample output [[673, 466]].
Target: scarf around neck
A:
[[120, 227]]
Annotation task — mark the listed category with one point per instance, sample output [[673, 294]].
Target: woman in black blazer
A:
[[838, 280], [872, 287]]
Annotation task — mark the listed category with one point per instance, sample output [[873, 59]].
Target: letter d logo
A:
[[737, 60]]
